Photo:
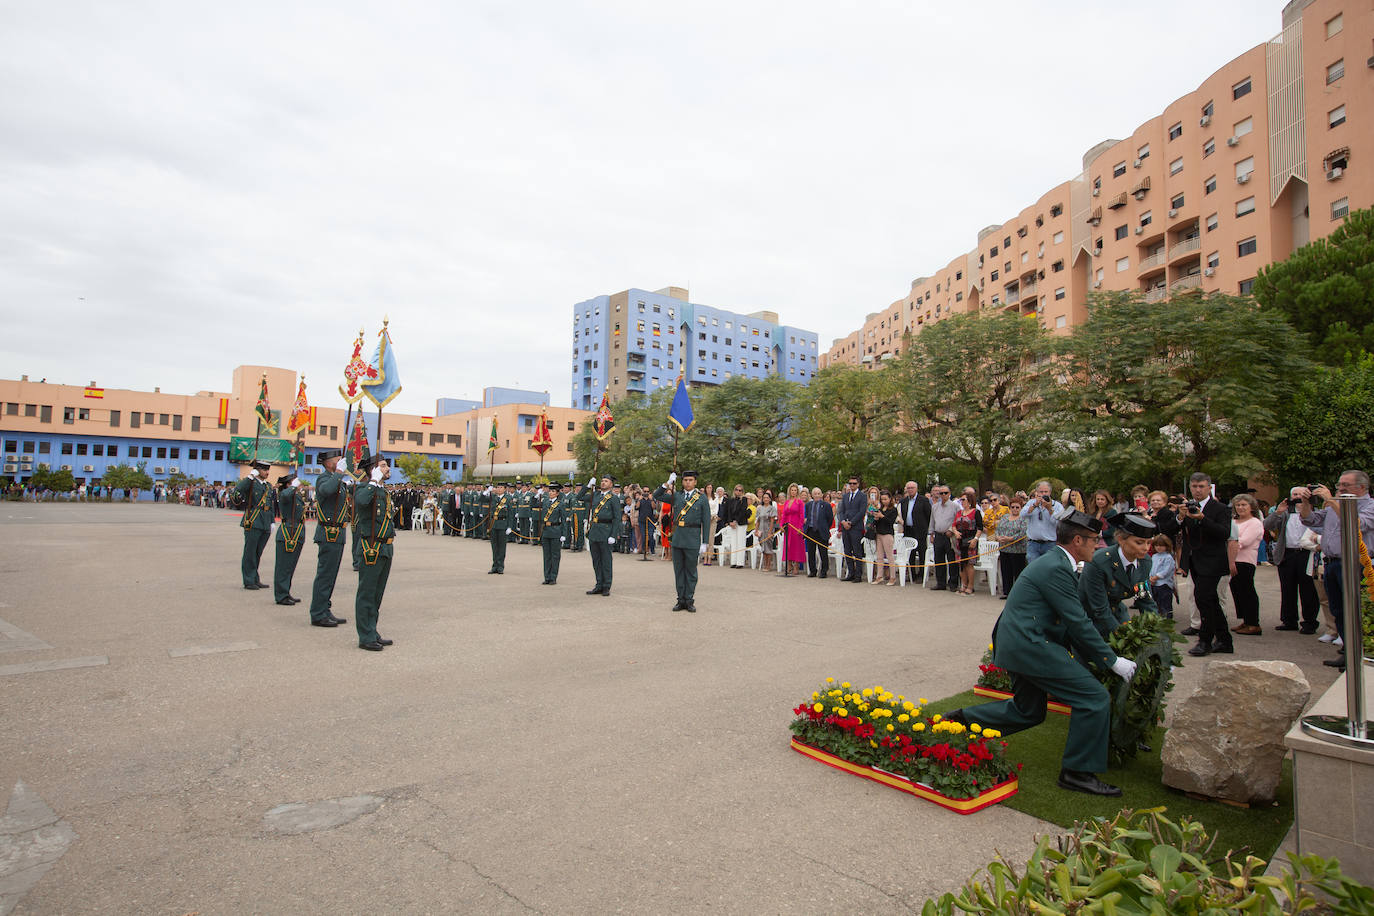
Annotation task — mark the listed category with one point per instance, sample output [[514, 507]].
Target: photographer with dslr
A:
[[1205, 529], [1324, 518], [1042, 516], [1291, 553]]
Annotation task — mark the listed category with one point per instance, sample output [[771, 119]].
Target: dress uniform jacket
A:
[[290, 540], [1106, 586], [258, 513], [549, 516], [333, 509], [374, 529]]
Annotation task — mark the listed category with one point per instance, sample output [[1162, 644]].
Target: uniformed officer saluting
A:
[[333, 507], [549, 512], [374, 529], [1045, 639], [254, 497], [290, 535], [1119, 574], [500, 522], [603, 527], [691, 515]]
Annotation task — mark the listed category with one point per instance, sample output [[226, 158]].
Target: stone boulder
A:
[[1226, 740]]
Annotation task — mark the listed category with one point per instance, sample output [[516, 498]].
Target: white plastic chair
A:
[[417, 519], [870, 553], [836, 551], [986, 563], [753, 556], [903, 546]]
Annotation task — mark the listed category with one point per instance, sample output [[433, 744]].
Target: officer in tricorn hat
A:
[[254, 497], [689, 521], [333, 509], [374, 529], [290, 536], [1119, 574], [548, 513]]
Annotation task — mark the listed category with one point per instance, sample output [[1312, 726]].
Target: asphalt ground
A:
[[520, 748]]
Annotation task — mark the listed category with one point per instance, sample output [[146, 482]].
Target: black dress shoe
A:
[[822, 575], [679, 606], [1142, 747], [491, 572], [1305, 630], [940, 588], [338, 619], [956, 715], [1223, 648], [1201, 649], [605, 593], [1188, 631], [1086, 782], [286, 601], [370, 646], [293, 599], [1335, 663], [254, 587], [328, 622], [1287, 627], [810, 575], [595, 591], [387, 642], [691, 607]]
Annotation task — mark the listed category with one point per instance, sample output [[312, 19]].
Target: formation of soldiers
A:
[[467, 509]]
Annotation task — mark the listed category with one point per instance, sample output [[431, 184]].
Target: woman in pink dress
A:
[[792, 514]]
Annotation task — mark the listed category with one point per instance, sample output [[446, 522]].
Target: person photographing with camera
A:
[[1205, 529], [1042, 516], [1317, 509]]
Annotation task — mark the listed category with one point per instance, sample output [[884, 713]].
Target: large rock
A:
[[1226, 740]]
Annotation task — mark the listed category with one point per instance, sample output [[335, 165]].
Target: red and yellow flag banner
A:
[[300, 411], [95, 392], [427, 421], [542, 441], [605, 423], [223, 411]]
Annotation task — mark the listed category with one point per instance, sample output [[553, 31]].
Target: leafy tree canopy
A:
[[421, 470]]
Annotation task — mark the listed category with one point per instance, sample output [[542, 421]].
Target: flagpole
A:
[[348, 424], [258, 434]]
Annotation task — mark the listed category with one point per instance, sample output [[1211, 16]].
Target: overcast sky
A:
[[187, 186]]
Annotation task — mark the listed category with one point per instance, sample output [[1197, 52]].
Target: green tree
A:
[[1326, 290], [742, 430], [421, 470], [971, 387], [1151, 392], [1329, 427], [847, 422], [641, 448], [126, 478], [178, 480]]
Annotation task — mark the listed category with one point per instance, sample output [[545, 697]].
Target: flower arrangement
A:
[[873, 727], [991, 676], [1138, 705]]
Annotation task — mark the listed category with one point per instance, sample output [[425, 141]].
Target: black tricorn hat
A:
[[1136, 525], [690, 474], [329, 453], [284, 480], [371, 461], [1082, 520], [555, 486], [260, 464]]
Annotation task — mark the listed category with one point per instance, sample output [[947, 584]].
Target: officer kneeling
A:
[[1045, 639]]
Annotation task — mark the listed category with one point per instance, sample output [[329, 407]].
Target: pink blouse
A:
[[1249, 534]]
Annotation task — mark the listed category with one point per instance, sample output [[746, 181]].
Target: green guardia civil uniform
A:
[[290, 541], [603, 524], [1108, 583], [484, 514], [1045, 639], [333, 509], [577, 515], [373, 530], [536, 519], [502, 519], [549, 510], [690, 518], [258, 512], [468, 525], [522, 514]]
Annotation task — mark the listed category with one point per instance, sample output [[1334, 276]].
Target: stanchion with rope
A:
[[865, 560]]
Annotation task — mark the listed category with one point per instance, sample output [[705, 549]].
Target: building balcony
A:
[[1154, 262], [1156, 293], [1185, 247], [1013, 296], [1191, 281]]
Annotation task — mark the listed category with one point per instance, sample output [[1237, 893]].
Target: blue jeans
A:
[[1037, 549]]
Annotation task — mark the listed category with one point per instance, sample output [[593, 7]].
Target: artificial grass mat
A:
[[1260, 829]]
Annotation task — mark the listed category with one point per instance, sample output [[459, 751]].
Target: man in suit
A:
[[819, 519], [914, 511], [333, 508], [549, 511], [374, 530], [254, 496], [1119, 574], [1045, 639], [690, 519], [500, 523], [290, 535], [853, 507], [604, 516], [1205, 528]]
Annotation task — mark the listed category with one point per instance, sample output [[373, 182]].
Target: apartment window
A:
[[1339, 208], [233, 426], [1211, 222], [1244, 127], [195, 424], [147, 452], [994, 251], [176, 421], [66, 448], [30, 410], [1025, 257], [1245, 206], [958, 275], [162, 452], [958, 297], [1246, 246], [1334, 25], [1246, 286], [1336, 116], [1147, 217], [219, 454], [1059, 237], [1006, 242], [1061, 321], [1176, 202], [114, 418], [1335, 71], [1143, 152], [1209, 185], [1214, 259], [1119, 169], [1123, 265], [1244, 168], [1056, 267], [98, 449], [1240, 89], [1176, 131], [1207, 110], [1056, 209], [68, 414], [1121, 232], [1060, 293], [995, 274], [1098, 275], [1209, 148], [1176, 166], [81, 449]]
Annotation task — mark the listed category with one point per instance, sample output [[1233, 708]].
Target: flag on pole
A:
[[300, 411], [491, 442], [314, 418], [95, 392], [681, 411], [264, 410], [354, 371], [223, 411], [605, 423], [357, 448], [381, 389], [542, 441]]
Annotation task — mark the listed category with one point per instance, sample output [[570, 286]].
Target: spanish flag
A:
[[95, 392], [314, 418], [427, 421], [223, 411]]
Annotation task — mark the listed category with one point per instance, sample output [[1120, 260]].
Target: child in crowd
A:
[[1162, 568]]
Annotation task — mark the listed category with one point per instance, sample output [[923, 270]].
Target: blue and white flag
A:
[[383, 389], [681, 411]]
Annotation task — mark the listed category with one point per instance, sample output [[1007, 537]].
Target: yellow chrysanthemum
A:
[[904, 718], [922, 701], [975, 727], [845, 685], [815, 695], [868, 691], [830, 680], [991, 733], [936, 718], [989, 647], [819, 707], [842, 712], [891, 729], [919, 727], [908, 706]]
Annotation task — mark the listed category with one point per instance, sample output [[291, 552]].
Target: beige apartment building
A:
[[1263, 157], [210, 434]]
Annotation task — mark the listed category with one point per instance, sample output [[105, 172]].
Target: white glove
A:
[[592, 482], [672, 478], [507, 531], [610, 540], [487, 491], [295, 483], [562, 540], [252, 472], [1124, 667], [376, 475], [347, 477]]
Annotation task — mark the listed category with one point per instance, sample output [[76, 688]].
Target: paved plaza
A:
[[176, 744]]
